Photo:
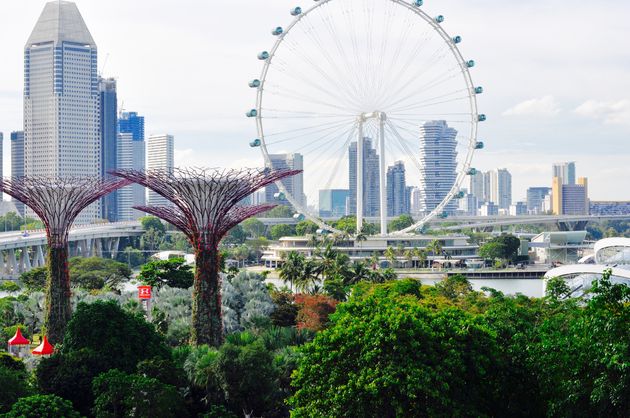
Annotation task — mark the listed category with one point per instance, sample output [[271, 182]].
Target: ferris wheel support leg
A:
[[383, 173], [359, 196]]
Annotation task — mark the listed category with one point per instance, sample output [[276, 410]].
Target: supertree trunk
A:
[[207, 327], [58, 306]]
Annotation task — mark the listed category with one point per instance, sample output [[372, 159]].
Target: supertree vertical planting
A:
[[58, 202], [206, 205]]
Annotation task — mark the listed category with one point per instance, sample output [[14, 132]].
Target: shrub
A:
[[42, 406], [314, 311], [13, 382]]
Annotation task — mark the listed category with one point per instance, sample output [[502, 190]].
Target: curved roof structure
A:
[[579, 269]]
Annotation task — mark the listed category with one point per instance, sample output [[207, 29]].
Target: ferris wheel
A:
[[351, 87]]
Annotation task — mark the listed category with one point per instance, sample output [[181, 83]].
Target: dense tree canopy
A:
[[173, 272]]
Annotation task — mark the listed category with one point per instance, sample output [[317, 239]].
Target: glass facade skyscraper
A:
[[61, 99], [332, 202], [371, 179], [131, 154], [17, 162], [293, 184], [398, 195], [109, 141]]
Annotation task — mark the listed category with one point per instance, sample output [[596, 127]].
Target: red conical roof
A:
[[44, 349], [18, 339]]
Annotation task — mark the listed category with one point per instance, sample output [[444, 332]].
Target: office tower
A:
[[570, 199], [477, 186], [61, 99], [131, 155], [518, 209], [371, 179], [438, 162], [109, 140], [414, 200], [293, 184], [501, 188], [332, 202], [565, 171], [130, 122], [536, 198], [397, 193], [160, 156], [468, 204], [489, 209], [17, 162]]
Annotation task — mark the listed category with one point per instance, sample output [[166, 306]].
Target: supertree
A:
[[58, 201], [205, 206]]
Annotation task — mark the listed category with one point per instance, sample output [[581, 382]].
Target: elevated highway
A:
[[20, 252]]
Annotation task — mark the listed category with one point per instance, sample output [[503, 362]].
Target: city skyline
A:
[[526, 111]]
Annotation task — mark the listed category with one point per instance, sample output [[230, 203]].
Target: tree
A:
[[152, 222], [35, 279], [285, 313], [379, 359], [95, 272], [347, 224], [454, 286], [435, 247], [14, 382], [281, 230], [292, 268], [504, 247], [492, 250], [42, 406], [131, 256], [253, 227], [236, 236], [119, 394], [314, 311], [173, 272], [512, 245], [280, 211], [304, 228], [400, 223], [390, 254]]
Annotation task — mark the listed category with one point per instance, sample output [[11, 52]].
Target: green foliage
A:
[[280, 211], [285, 312], [35, 279], [557, 288], [9, 286], [42, 406], [235, 236], [400, 223], [152, 222], [13, 382], [131, 256], [120, 394], [123, 339], [95, 273], [378, 359], [253, 227], [504, 247], [173, 272], [306, 227], [454, 286], [278, 231], [246, 302], [164, 370], [14, 222]]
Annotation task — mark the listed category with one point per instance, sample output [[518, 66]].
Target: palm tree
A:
[[292, 270], [360, 238], [421, 254], [309, 278], [357, 273], [408, 254], [374, 261], [328, 258], [390, 254]]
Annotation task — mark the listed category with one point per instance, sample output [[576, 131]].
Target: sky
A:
[[556, 75]]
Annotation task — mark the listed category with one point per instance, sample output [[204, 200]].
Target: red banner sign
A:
[[144, 292]]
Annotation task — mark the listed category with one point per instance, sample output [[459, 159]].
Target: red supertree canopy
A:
[[44, 349], [18, 339]]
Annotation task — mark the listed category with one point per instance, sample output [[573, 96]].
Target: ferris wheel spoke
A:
[[306, 99], [306, 129], [435, 82], [342, 152], [425, 105], [306, 134], [323, 143]]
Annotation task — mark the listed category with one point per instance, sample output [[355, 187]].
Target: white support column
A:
[[40, 260], [25, 260], [12, 262], [359, 199], [98, 247], [114, 248], [383, 172]]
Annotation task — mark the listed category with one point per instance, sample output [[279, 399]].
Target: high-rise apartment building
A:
[[371, 179], [109, 140], [17, 162], [61, 99], [414, 200], [160, 156], [565, 171], [398, 195], [332, 202], [501, 187], [131, 123], [293, 184], [479, 186], [536, 199], [438, 162], [570, 199]]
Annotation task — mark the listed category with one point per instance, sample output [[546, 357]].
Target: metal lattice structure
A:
[[206, 205], [58, 202]]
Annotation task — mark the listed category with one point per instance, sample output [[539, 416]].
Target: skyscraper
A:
[[332, 202], [398, 197], [130, 122], [570, 199], [477, 186], [17, 162], [160, 156], [293, 184], [131, 155], [61, 98], [371, 179], [438, 164], [501, 188], [536, 198], [564, 171], [109, 140]]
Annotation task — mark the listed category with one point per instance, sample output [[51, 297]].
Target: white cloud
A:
[[609, 112], [544, 106]]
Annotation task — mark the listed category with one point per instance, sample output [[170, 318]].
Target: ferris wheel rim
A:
[[472, 98]]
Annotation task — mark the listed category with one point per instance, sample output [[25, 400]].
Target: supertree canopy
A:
[[206, 205], [58, 202]]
